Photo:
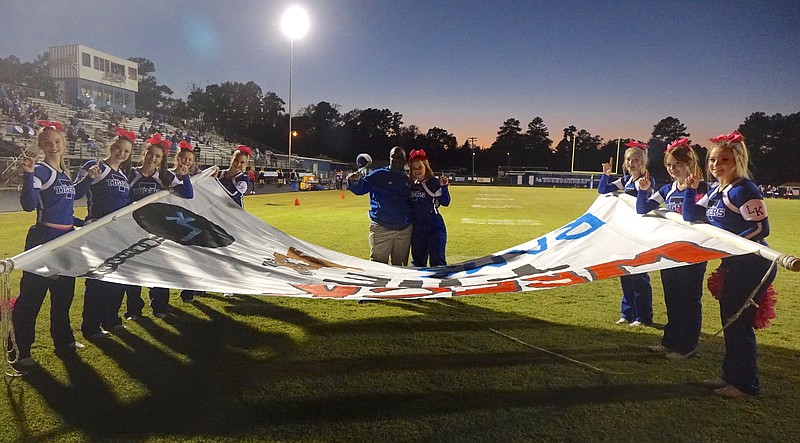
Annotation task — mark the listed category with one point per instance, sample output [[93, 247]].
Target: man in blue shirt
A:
[[389, 209]]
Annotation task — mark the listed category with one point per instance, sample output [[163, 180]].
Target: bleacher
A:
[[214, 149]]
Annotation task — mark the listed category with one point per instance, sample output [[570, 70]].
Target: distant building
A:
[[86, 76]]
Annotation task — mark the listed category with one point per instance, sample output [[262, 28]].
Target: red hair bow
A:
[[185, 145], [636, 144], [734, 136], [156, 140], [683, 141], [417, 154], [128, 135], [245, 150], [52, 125]]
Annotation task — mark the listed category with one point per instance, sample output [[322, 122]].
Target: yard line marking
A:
[[495, 207], [499, 221], [496, 198]]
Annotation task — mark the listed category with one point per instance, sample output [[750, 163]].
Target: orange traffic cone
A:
[[296, 202], [342, 194]]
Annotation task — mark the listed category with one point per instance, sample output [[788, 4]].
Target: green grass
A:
[[265, 369]]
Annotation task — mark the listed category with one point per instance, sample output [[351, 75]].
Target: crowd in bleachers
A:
[[88, 129]]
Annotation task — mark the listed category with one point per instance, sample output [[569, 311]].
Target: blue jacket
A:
[[388, 197]]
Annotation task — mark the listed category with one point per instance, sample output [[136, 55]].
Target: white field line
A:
[[499, 221], [495, 206]]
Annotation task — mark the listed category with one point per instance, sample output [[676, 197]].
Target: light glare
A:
[[295, 22]]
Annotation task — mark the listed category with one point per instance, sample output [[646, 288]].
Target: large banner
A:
[[208, 243]]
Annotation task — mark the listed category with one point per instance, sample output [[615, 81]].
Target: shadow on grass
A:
[[215, 374]]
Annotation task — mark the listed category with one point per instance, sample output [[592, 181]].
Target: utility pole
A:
[[471, 141]]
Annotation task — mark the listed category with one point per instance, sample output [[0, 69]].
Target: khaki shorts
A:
[[388, 244]]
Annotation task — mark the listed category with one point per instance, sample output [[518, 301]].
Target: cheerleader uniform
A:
[[637, 294], [102, 300], [429, 234], [739, 208], [235, 186], [683, 286], [141, 187], [52, 194]]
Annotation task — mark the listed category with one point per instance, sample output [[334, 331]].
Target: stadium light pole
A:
[[295, 25], [473, 165]]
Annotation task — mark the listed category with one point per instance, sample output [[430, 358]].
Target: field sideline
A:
[[284, 369]]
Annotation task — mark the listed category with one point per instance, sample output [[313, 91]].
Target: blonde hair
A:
[[740, 156], [61, 161], [426, 164], [683, 154], [642, 153]]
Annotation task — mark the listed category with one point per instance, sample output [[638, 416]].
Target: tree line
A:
[[324, 130]]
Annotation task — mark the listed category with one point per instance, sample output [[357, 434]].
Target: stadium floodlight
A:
[[295, 25]]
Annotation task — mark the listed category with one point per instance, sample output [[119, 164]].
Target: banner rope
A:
[[6, 326], [748, 303]]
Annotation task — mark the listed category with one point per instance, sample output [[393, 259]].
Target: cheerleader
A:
[[737, 205], [150, 177], [683, 286], [185, 158], [107, 190], [46, 188], [637, 295], [234, 180], [429, 234]]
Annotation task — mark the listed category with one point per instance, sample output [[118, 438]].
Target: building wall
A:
[[86, 75]]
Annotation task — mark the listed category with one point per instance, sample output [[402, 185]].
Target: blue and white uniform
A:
[[683, 286], [107, 193], [429, 233], [637, 294], [739, 208], [141, 187], [50, 192], [235, 186]]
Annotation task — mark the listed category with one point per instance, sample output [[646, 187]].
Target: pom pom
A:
[[766, 309], [716, 282]]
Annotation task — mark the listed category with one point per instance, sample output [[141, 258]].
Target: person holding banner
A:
[[150, 177], [735, 204], [389, 210], [683, 286], [637, 294], [46, 188], [185, 158], [429, 233], [107, 189], [234, 180]]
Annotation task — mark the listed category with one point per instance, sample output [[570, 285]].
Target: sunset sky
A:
[[612, 68]]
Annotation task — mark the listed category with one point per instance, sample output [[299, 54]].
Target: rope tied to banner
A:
[[6, 326], [747, 304]]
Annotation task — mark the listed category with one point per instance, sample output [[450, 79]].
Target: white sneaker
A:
[[673, 356], [637, 324], [227, 295], [622, 321], [75, 346], [659, 348]]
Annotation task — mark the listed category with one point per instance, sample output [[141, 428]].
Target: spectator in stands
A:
[[389, 213]]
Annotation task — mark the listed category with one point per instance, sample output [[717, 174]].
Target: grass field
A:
[[284, 369]]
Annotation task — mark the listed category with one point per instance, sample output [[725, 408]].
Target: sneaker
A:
[[622, 321], [730, 391], [674, 356], [160, 314], [132, 317], [27, 362], [659, 348], [227, 295], [714, 383], [637, 324]]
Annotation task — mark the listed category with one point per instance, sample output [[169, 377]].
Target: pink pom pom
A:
[[766, 309]]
